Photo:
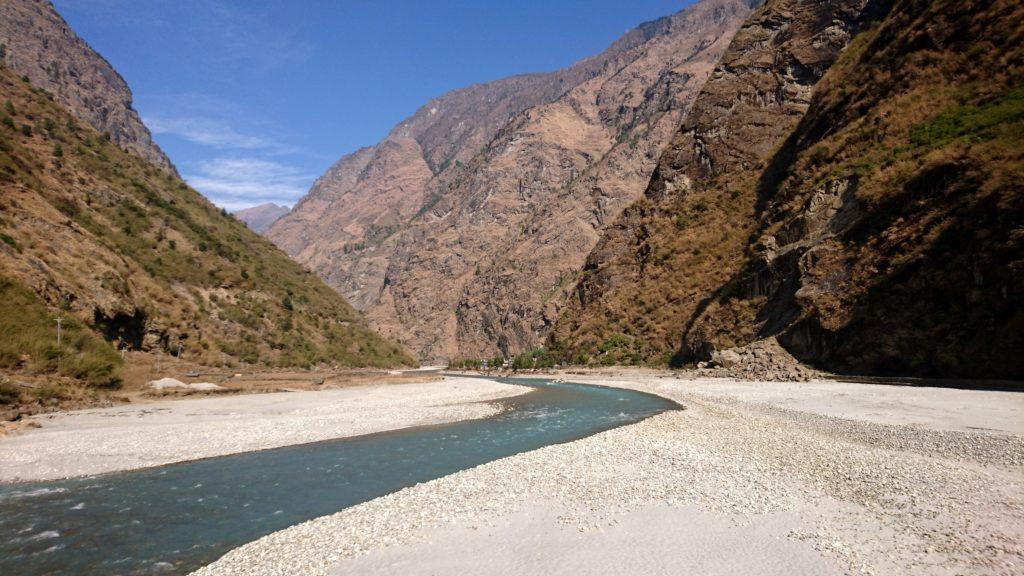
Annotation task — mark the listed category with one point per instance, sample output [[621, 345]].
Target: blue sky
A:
[[253, 99]]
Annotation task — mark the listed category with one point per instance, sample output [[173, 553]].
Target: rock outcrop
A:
[[462, 232], [888, 238], [40, 45], [659, 262], [848, 182]]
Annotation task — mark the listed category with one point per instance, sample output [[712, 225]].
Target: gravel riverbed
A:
[[844, 478], [102, 440]]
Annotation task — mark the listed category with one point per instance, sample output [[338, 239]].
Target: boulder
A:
[[725, 358]]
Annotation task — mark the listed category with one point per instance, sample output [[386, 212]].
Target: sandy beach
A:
[[752, 478], [138, 435]]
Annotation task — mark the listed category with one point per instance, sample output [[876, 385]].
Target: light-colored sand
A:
[[139, 435], [753, 478], [651, 542]]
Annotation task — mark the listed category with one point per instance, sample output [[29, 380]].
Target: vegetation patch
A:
[[30, 341], [131, 233], [973, 121]]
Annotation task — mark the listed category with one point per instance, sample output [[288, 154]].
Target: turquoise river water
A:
[[174, 519]]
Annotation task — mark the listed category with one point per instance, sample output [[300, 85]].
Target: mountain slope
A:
[[261, 217], [891, 238], [461, 233], [377, 186], [873, 228], [39, 44], [673, 247], [130, 254]]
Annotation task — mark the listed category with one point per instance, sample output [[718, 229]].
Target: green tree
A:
[[523, 361]]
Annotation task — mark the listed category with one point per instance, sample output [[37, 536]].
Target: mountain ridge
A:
[[262, 216], [859, 240], [133, 259], [368, 225], [40, 45], [631, 279]]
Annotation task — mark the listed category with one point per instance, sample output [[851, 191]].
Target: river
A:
[[174, 519]]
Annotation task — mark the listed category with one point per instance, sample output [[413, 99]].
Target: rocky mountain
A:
[[134, 259], [38, 44], [462, 232], [259, 218], [848, 182]]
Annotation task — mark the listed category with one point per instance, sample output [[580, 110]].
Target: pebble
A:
[[881, 499], [135, 436]]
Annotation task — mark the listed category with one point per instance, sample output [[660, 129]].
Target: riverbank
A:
[[753, 477], [160, 432], [23, 395]]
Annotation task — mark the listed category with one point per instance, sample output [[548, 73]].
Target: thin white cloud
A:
[[235, 182], [207, 132]]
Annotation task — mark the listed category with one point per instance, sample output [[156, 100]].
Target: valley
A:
[[461, 234], [739, 290]]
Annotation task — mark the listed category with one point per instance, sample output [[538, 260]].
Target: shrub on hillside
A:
[[30, 341]]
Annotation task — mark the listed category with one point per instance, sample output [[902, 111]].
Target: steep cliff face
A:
[[656, 264], [461, 233], [869, 217], [132, 258], [889, 233], [40, 45], [368, 195]]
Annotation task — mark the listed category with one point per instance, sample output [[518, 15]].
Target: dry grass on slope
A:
[[890, 239], [880, 234], [145, 262], [668, 252]]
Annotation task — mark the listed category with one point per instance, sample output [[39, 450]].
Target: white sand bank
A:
[[140, 435]]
